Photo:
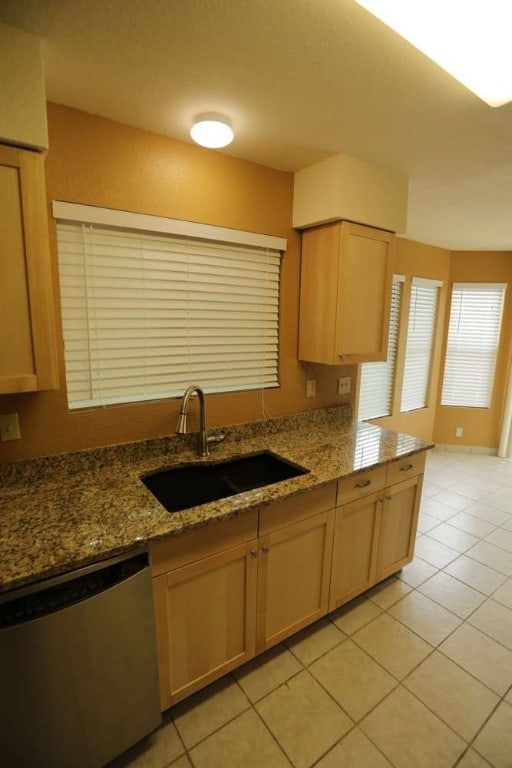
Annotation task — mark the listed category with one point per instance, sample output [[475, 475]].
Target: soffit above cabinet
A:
[[343, 187]]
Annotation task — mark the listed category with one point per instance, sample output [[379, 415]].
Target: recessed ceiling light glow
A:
[[470, 39], [212, 132]]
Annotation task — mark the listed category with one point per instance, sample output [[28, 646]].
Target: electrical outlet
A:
[[310, 387], [459, 431], [344, 385], [9, 426]]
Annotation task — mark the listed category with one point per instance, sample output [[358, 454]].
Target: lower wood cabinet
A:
[[229, 591]]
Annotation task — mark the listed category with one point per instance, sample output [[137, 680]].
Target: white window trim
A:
[[91, 214]]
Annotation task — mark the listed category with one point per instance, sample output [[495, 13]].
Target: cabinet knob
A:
[[341, 355], [264, 549], [363, 484], [388, 498], [406, 467], [254, 553]]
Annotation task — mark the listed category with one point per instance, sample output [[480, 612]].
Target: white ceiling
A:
[[300, 80]]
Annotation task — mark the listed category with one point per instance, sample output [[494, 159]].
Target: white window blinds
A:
[[377, 379], [146, 314], [420, 343], [473, 337]]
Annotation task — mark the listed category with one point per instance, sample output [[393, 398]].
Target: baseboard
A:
[[466, 449]]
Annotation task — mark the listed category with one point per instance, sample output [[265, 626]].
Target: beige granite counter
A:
[[63, 512]]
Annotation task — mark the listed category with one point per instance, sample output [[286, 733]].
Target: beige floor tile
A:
[[288, 713], [410, 735], [452, 499], [508, 697], [475, 487], [261, 675], [243, 743], [504, 594], [493, 556], [495, 741], [452, 594], [312, 642], [444, 478], [473, 760], [475, 574], [507, 525], [481, 656], [501, 537], [489, 514], [500, 498], [206, 711], [452, 694], [394, 646], [355, 615], [181, 762], [471, 524], [426, 522], [429, 620], [495, 620], [355, 751], [429, 489], [453, 537], [434, 552], [417, 572], [155, 751], [352, 678], [437, 509], [389, 592]]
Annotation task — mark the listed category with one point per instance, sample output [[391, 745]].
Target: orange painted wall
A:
[[99, 162], [419, 260], [481, 426]]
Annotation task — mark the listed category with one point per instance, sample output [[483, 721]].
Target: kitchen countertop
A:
[[62, 512]]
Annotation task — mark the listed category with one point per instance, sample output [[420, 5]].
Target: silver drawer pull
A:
[[406, 467], [363, 484]]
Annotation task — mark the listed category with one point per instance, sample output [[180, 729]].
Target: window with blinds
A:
[[472, 346], [420, 343], [377, 379], [145, 314]]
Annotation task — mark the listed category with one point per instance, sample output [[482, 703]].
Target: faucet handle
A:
[[213, 439]]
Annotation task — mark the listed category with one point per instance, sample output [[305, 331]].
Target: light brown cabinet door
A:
[[346, 280], [205, 616], [27, 349], [354, 550], [293, 578], [399, 521]]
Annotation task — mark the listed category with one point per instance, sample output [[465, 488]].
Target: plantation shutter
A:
[[472, 346], [145, 314], [420, 343], [377, 379]]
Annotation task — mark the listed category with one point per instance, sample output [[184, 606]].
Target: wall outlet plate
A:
[[459, 431], [344, 385], [9, 427], [310, 387]]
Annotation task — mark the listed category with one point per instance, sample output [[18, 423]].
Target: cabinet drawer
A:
[[361, 484], [296, 508], [168, 554], [409, 466]]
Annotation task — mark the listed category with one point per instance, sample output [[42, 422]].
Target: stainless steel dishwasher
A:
[[78, 669]]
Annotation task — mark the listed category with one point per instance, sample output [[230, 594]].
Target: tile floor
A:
[[417, 673]]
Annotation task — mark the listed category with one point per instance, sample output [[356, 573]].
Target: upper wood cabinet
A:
[[28, 359], [345, 297]]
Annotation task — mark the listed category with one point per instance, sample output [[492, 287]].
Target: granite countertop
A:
[[62, 512]]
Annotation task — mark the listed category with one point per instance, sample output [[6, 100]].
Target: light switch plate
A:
[[344, 385], [9, 427], [310, 387]]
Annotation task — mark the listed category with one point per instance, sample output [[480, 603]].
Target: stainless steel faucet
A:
[[181, 427]]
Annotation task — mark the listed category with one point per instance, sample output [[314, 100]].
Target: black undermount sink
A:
[[193, 484]]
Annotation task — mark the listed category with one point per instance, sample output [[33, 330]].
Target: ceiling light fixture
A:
[[470, 40], [212, 131]]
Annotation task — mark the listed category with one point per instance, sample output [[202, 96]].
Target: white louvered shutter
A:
[[473, 337], [420, 343], [377, 379], [146, 314]]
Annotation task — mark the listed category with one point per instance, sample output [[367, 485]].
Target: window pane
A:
[[473, 336], [420, 342], [377, 379], [147, 314]]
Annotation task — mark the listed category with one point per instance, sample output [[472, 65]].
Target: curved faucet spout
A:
[[181, 427]]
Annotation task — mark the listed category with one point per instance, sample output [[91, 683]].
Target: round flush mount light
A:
[[212, 131]]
